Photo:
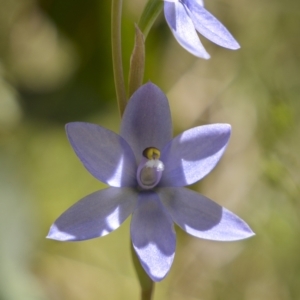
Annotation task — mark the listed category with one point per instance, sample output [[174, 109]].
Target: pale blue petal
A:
[[106, 155], [147, 120], [193, 154], [95, 215], [209, 26], [153, 236], [183, 28], [201, 217]]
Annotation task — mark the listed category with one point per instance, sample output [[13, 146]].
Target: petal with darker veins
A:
[[153, 236], [210, 27], [95, 215], [105, 154], [183, 29], [202, 217], [193, 154], [147, 120]]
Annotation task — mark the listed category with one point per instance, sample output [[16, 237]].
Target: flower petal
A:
[[183, 28], [209, 26], [201, 217], [147, 120], [106, 155], [95, 215], [153, 236], [193, 154]]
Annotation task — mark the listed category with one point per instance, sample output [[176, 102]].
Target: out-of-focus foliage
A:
[[55, 67]]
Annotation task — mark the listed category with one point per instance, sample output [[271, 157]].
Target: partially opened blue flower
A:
[[186, 17], [147, 170]]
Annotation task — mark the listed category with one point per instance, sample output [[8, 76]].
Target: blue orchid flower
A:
[[147, 172], [186, 17]]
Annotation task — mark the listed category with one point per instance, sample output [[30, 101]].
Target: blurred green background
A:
[[55, 67]]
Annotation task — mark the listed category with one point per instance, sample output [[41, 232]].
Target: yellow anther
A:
[[151, 153]]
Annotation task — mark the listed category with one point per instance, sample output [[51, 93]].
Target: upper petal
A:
[[95, 215], [201, 217], [153, 236], [209, 26], [183, 28], [106, 155], [193, 154], [147, 120]]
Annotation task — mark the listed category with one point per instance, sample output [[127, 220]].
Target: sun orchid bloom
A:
[[186, 17], [147, 170]]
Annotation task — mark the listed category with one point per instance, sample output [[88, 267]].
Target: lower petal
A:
[[95, 215], [202, 217], [153, 236]]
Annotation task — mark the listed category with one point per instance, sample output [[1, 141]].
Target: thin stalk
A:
[[147, 294], [149, 15], [116, 16], [147, 285]]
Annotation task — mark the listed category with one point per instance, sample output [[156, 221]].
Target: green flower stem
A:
[[147, 285], [116, 15], [149, 15]]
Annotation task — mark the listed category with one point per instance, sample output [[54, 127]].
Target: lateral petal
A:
[[106, 155], [193, 154], [95, 215], [153, 236], [210, 27], [183, 28], [202, 217]]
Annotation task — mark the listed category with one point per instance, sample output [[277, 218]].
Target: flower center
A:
[[150, 169]]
